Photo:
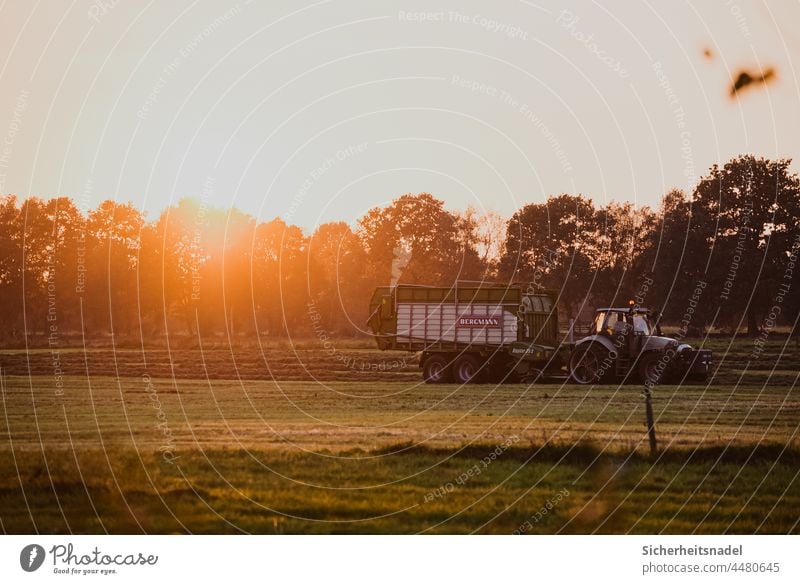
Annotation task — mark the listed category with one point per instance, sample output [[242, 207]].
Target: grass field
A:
[[295, 440]]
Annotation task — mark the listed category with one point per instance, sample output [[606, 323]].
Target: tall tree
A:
[[415, 230], [487, 233], [551, 245], [279, 278], [182, 242], [49, 233], [750, 208], [10, 268], [110, 261], [336, 277], [623, 236]]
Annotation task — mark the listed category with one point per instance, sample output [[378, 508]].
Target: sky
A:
[[320, 111]]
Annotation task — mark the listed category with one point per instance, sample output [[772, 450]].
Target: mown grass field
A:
[[297, 440]]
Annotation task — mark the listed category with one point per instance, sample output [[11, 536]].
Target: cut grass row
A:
[[777, 362], [336, 416]]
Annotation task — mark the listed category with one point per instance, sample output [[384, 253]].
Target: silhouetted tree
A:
[[750, 209], [10, 268], [623, 236], [336, 277], [435, 247], [279, 279], [110, 260], [209, 271], [673, 262], [552, 245]]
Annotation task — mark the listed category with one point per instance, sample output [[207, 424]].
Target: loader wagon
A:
[[510, 333], [472, 333]]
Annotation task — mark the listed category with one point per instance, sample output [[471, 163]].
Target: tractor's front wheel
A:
[[650, 369]]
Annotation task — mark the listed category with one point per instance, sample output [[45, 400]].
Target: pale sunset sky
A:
[[318, 111]]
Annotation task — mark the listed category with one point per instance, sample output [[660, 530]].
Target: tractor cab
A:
[[614, 322], [627, 329]]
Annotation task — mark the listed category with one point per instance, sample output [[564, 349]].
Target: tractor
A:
[[626, 344]]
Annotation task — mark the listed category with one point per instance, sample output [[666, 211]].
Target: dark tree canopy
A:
[[197, 270]]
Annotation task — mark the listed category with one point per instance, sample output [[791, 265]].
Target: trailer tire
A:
[[467, 369], [437, 369], [533, 375]]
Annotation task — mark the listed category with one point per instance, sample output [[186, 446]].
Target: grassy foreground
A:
[[552, 490], [141, 455]]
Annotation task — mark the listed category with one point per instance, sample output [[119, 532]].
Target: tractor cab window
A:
[[599, 323], [641, 324], [618, 325]]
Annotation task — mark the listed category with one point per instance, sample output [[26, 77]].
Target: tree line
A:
[[722, 256]]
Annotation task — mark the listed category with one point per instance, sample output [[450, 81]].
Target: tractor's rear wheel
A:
[[467, 369], [437, 369], [586, 364]]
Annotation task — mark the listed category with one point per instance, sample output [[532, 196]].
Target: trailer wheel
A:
[[586, 364], [466, 369], [436, 369], [533, 376]]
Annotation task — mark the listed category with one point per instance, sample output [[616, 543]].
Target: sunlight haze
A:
[[318, 112]]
